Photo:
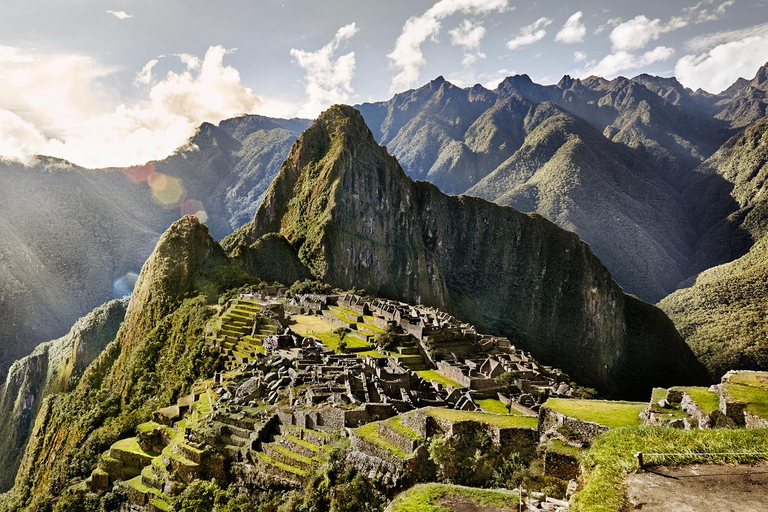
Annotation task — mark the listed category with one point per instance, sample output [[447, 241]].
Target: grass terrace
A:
[[429, 375], [370, 432], [395, 423], [434, 497], [612, 456], [498, 420], [704, 399], [751, 388], [609, 413], [495, 406]]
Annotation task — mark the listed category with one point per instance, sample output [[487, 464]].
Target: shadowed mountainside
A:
[[357, 220]]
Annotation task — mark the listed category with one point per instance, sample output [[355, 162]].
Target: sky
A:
[[111, 83]]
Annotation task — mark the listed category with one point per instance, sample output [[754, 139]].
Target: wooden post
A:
[[639, 456]]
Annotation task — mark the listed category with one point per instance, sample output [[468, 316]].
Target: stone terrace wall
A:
[[586, 430]]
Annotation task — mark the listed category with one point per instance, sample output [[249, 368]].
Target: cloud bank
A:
[[54, 105]]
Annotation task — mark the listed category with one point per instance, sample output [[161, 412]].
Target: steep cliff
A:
[[358, 220], [53, 367]]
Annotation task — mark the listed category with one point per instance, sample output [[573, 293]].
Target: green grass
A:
[[395, 423], [370, 433], [499, 420], [608, 413], [612, 456], [137, 484], [291, 454], [496, 406], [302, 442], [160, 504], [562, 448], [429, 375], [266, 458], [747, 388], [131, 445], [704, 399], [346, 311], [426, 497]]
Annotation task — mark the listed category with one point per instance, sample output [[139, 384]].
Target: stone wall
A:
[[586, 430]]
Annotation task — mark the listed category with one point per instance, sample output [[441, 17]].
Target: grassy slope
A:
[[610, 414], [426, 497], [723, 315], [499, 420], [612, 457]]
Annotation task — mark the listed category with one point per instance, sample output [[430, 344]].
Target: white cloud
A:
[[639, 31], [144, 77], [701, 13], [613, 64], [406, 58], [191, 61], [608, 24], [579, 56], [492, 80], [328, 79], [573, 31], [54, 105], [121, 15], [707, 42], [718, 68], [530, 34], [469, 35]]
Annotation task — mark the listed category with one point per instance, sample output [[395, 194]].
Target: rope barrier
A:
[[641, 456]]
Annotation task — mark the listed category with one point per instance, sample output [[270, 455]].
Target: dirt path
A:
[[728, 488]]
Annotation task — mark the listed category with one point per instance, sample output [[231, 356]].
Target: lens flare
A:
[[194, 207], [139, 173], [124, 285], [166, 190]]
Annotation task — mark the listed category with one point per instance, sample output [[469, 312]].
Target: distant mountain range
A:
[[620, 162]]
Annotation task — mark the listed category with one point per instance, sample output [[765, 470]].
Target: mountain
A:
[[74, 238], [159, 351], [617, 181], [53, 367], [745, 101], [571, 174], [357, 220], [723, 313]]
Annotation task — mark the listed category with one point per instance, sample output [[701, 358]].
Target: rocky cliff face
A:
[[358, 220], [53, 367]]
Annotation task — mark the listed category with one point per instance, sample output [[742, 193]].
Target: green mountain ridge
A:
[[722, 313], [157, 353], [357, 220], [53, 367]]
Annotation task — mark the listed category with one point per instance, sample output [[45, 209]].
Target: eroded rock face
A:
[[52, 368], [358, 220]]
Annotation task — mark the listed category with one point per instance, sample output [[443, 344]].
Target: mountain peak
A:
[[761, 76]]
